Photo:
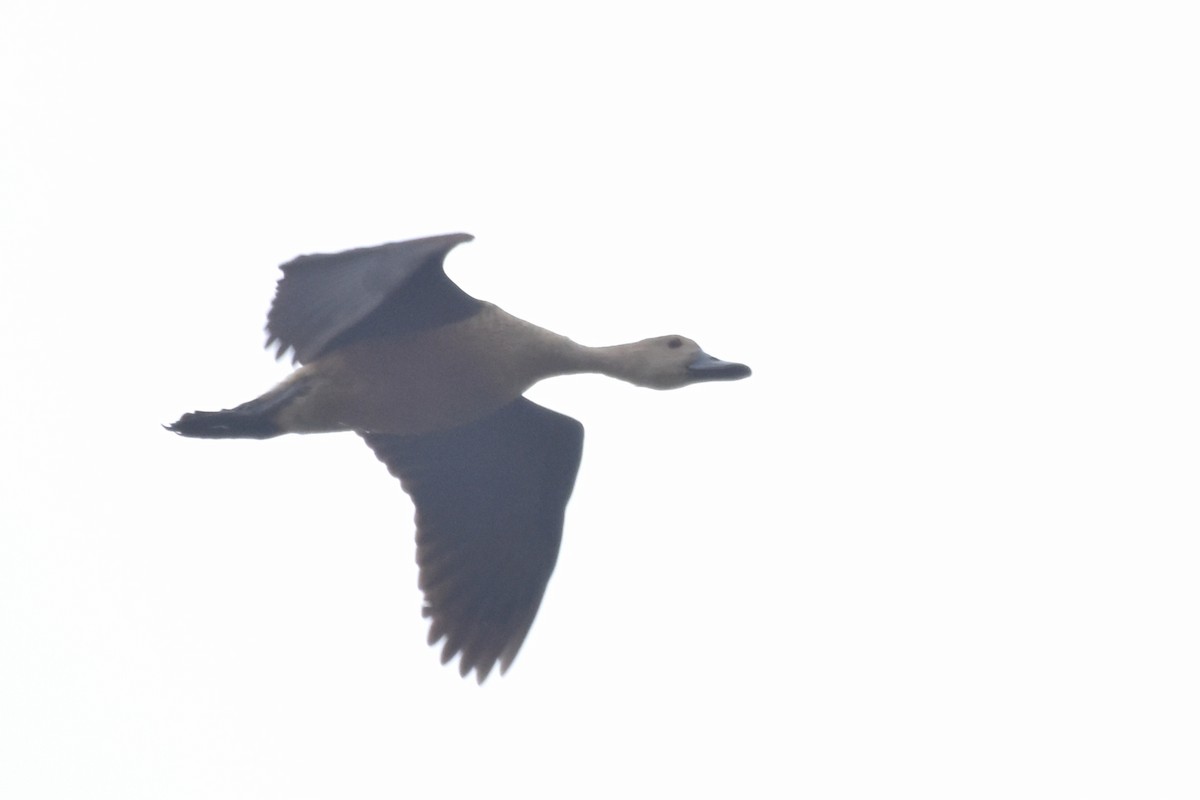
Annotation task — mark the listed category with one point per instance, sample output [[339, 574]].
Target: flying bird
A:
[[432, 379]]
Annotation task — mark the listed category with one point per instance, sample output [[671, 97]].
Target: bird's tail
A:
[[251, 420]]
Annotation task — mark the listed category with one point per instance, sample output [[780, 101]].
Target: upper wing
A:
[[326, 301], [490, 498]]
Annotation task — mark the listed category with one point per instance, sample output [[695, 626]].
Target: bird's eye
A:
[[675, 342]]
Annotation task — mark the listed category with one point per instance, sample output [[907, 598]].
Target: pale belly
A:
[[425, 382]]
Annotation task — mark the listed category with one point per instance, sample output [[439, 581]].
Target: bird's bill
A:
[[709, 368]]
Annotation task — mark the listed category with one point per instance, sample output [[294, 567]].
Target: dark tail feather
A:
[[232, 423], [252, 420]]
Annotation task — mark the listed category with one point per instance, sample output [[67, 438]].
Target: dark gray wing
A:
[[327, 301], [490, 498]]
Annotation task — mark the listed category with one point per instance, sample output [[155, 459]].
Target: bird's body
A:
[[433, 380]]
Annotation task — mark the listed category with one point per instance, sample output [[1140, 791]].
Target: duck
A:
[[433, 380]]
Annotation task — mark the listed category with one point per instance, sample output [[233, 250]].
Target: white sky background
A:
[[943, 544]]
